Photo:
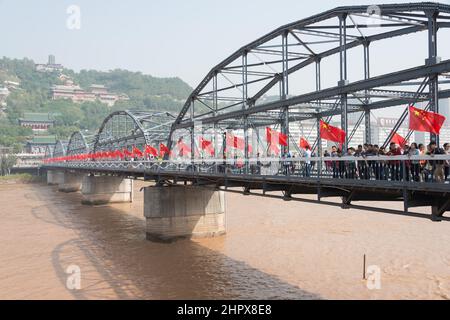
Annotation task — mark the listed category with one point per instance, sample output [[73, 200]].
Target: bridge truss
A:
[[60, 149], [80, 144], [278, 80], [125, 129]]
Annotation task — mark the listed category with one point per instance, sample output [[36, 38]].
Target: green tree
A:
[[6, 163]]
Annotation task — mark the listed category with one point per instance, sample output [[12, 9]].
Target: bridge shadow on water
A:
[[117, 262]]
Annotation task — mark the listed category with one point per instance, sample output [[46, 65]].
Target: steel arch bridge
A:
[[278, 80], [125, 129]]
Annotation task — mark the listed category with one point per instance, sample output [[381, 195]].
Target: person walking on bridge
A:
[[438, 165], [394, 165], [307, 155], [334, 154], [415, 165], [447, 162]]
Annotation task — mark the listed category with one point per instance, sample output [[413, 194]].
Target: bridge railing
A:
[[407, 169]]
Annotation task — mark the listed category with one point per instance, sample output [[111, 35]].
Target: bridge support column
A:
[[438, 208], [70, 182], [51, 175], [106, 189], [55, 177], [183, 212]]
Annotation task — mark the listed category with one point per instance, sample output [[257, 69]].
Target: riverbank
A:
[[273, 250], [20, 178]]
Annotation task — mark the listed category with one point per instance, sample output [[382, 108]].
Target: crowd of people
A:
[[366, 167]]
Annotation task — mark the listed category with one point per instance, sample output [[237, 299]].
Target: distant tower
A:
[[51, 59]]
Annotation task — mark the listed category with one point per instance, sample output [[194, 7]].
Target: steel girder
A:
[[242, 92], [334, 92]]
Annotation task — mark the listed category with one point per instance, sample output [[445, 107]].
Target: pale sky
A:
[[158, 37]]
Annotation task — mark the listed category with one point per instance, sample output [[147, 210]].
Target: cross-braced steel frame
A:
[[60, 149], [125, 129], [49, 152], [263, 82], [79, 144]]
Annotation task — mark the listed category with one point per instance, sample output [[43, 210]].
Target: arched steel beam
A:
[[60, 149], [49, 152], [386, 9], [77, 144], [150, 126], [126, 113]]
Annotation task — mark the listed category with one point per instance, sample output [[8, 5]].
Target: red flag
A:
[[304, 143], [398, 139], [274, 149], [206, 145], [426, 121], [137, 152], [275, 137], [230, 140], [151, 150], [163, 150], [237, 142], [119, 154], [109, 154], [331, 133], [183, 148], [127, 153]]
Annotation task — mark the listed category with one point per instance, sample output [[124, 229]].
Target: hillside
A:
[[145, 92]]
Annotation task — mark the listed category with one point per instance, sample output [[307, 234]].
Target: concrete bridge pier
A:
[[55, 177], [97, 190], [176, 212], [50, 177], [70, 182]]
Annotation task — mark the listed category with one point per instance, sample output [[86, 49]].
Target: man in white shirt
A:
[[307, 155]]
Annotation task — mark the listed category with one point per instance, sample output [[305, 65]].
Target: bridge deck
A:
[[411, 193]]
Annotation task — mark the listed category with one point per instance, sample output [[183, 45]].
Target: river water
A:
[[272, 250]]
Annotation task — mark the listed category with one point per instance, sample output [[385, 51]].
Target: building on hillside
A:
[[95, 92], [50, 66], [6, 150], [4, 93], [39, 144], [98, 89], [11, 85], [38, 122], [5, 90], [70, 91]]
